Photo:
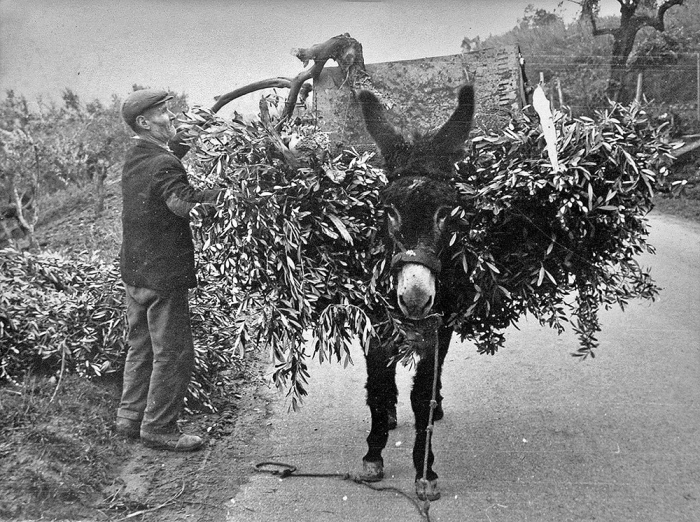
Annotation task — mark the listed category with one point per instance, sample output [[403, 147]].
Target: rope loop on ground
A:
[[287, 470]]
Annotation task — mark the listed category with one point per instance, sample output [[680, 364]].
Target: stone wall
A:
[[421, 94]]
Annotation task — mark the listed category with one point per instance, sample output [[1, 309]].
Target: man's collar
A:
[[148, 139]]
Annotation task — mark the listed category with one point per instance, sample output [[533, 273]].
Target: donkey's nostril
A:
[[414, 307]]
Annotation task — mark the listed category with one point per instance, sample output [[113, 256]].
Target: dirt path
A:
[[176, 487]]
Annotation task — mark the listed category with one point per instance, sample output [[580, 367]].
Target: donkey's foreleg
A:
[[444, 337], [381, 398], [421, 398], [421, 395]]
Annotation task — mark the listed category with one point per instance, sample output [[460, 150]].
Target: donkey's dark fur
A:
[[418, 200]]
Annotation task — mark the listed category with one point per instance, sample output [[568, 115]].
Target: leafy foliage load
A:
[[298, 242], [533, 236], [299, 235], [66, 314]]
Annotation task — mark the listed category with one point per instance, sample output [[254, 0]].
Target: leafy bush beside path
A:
[[65, 315]]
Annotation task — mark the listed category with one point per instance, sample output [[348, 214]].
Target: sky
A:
[[205, 48]]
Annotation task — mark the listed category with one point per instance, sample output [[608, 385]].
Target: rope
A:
[[433, 405], [291, 471]]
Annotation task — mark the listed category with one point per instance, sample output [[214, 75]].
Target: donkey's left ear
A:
[[389, 141], [452, 135]]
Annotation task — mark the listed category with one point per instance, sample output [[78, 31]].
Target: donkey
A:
[[418, 200]]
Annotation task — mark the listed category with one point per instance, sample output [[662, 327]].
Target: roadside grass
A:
[[58, 450], [681, 207], [687, 204]]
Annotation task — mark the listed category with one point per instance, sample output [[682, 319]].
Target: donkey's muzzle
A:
[[415, 290]]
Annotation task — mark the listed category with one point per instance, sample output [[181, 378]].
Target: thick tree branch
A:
[[295, 87], [344, 49], [247, 89], [659, 22]]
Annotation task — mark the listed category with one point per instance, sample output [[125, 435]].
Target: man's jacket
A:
[[157, 249]]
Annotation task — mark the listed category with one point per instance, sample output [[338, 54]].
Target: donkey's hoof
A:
[[393, 419], [372, 471], [427, 489]]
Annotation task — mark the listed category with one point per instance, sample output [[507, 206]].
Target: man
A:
[[157, 267]]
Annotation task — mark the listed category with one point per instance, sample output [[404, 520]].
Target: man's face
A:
[[158, 122]]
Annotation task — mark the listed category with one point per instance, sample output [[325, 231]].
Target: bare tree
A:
[[20, 166], [634, 15]]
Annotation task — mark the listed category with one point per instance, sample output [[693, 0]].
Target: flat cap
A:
[[140, 101]]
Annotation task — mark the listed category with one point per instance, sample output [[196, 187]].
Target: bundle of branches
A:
[[293, 239], [59, 313], [297, 232], [559, 243], [65, 314]]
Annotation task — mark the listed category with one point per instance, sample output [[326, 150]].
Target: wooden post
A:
[[697, 56], [521, 80], [640, 82], [560, 93]]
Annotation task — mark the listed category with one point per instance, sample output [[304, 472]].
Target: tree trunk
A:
[[623, 43], [100, 175], [26, 215]]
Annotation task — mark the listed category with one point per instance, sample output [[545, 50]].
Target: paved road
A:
[[529, 434]]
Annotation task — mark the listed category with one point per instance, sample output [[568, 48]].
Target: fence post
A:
[[561, 94], [640, 82], [697, 71]]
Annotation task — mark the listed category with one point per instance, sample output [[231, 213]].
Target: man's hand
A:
[[178, 143], [213, 198]]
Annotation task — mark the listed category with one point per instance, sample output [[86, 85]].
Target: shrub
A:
[[55, 310], [66, 314]]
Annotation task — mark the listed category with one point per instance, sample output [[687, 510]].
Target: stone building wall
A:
[[421, 94]]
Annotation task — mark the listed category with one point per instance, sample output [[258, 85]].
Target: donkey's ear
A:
[[389, 141], [452, 135]]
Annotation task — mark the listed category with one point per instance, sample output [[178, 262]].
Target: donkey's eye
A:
[[393, 219], [440, 218]]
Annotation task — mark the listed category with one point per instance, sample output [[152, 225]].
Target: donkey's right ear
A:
[[451, 137], [389, 141]]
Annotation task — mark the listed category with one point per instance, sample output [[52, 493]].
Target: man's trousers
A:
[[160, 359]]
